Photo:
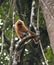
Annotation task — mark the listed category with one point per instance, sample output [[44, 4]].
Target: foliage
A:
[[49, 55], [26, 9]]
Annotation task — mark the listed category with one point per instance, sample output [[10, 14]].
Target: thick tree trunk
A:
[[48, 12]]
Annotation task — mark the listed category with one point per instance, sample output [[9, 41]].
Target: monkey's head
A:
[[20, 25]]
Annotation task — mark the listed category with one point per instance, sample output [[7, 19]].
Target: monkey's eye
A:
[[20, 25]]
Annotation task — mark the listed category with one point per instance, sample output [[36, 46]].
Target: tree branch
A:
[[21, 43], [19, 49], [19, 9], [5, 39]]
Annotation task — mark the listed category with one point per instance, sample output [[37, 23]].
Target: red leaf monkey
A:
[[22, 30]]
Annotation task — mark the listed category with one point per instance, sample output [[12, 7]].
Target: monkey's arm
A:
[[32, 33]]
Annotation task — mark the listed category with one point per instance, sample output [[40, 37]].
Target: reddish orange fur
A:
[[20, 27], [20, 30]]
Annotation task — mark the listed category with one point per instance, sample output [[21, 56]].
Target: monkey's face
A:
[[19, 25]]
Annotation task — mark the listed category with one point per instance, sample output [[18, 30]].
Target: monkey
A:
[[22, 30]]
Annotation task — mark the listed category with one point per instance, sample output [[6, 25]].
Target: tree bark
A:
[[48, 12]]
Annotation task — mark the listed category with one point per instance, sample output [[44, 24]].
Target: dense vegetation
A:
[[23, 12]]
